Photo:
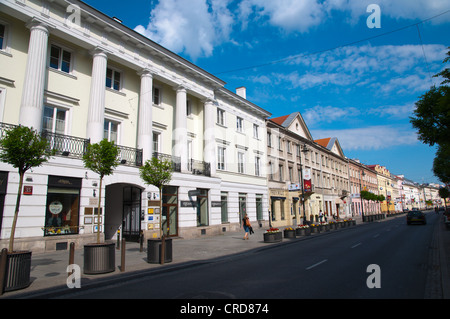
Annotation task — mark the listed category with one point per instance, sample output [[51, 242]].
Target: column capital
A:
[[38, 23], [146, 72], [100, 51], [180, 88]]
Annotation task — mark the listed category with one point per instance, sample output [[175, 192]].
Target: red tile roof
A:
[[279, 120], [323, 141]]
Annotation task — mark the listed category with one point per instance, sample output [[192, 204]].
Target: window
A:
[[288, 146], [156, 143], [221, 158], [60, 59], [291, 176], [54, 120], [257, 166], [188, 108], [239, 124], [280, 168], [224, 206], [63, 204], [255, 131], [220, 117], [110, 132], [202, 207], [156, 96], [269, 139], [113, 79], [2, 36], [240, 162], [279, 143], [259, 206]]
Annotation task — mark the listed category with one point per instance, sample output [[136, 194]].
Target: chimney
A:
[[241, 91]]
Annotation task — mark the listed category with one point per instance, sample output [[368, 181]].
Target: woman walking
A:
[[246, 225]]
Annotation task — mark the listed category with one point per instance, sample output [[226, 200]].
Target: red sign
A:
[[28, 190]]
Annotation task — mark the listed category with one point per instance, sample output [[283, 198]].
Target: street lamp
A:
[[304, 150]]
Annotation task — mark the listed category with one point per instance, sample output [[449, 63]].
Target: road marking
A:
[[356, 245], [315, 265], [376, 235]]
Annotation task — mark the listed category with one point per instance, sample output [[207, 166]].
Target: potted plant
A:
[[101, 158], [303, 230], [272, 235], [289, 232], [23, 148], [158, 173]]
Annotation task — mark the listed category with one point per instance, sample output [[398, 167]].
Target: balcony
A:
[[199, 168], [176, 161], [75, 147]]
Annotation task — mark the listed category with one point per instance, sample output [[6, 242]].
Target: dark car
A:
[[416, 216]]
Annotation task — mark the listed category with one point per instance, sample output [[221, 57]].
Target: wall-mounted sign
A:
[[28, 190]]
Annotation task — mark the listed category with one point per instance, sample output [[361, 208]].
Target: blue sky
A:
[[318, 57]]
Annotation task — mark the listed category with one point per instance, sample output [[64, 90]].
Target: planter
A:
[[273, 237], [289, 233], [17, 271], [327, 227], [154, 251], [313, 229], [99, 258]]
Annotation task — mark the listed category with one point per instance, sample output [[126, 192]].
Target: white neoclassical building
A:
[[78, 76]]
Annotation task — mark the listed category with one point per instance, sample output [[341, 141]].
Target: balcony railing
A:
[[199, 167], [65, 145], [176, 161], [130, 156]]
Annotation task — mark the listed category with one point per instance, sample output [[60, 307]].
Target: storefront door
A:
[[170, 211]]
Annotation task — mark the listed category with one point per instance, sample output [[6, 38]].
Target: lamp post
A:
[[304, 150]]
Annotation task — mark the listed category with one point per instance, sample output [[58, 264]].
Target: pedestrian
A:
[[246, 224], [320, 215]]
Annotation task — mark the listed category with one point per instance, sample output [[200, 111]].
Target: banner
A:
[[307, 180]]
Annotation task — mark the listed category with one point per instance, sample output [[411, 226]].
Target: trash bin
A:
[[99, 258], [154, 251], [18, 269]]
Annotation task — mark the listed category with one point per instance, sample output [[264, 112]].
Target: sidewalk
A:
[[48, 270]]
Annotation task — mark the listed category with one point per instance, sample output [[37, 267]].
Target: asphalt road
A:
[[330, 266]]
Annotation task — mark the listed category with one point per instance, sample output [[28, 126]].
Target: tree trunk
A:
[[16, 213], [98, 210]]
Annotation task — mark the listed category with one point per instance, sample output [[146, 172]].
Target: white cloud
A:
[[370, 138], [328, 114], [195, 27], [393, 111]]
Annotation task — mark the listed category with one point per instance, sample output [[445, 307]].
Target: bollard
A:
[[141, 241], [3, 260], [163, 249], [71, 256], [122, 263], [118, 239]]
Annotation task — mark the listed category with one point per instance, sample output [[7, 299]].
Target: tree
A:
[[432, 120], [101, 158], [444, 193], [23, 148], [158, 173]]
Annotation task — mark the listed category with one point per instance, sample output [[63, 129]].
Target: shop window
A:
[[63, 206], [202, 207]]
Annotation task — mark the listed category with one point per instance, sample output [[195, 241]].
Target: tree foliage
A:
[[23, 148], [431, 118], [101, 158]]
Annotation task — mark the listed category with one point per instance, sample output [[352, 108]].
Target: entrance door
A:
[[170, 211], [131, 226]]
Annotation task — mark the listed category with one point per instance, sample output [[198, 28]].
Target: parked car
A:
[[415, 216]]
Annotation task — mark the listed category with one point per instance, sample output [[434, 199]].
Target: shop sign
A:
[[28, 190]]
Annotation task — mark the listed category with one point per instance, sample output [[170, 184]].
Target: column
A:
[[33, 87], [209, 152], [180, 131], [96, 112], [145, 125]]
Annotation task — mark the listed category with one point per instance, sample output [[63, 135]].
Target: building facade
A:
[[386, 185], [79, 76], [362, 178]]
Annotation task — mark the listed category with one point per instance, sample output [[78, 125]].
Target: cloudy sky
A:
[[318, 57]]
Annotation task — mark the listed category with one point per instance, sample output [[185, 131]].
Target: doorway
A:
[[170, 211], [131, 226]]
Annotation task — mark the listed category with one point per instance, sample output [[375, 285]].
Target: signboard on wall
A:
[[307, 180]]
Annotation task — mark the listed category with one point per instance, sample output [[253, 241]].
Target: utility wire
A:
[[333, 48]]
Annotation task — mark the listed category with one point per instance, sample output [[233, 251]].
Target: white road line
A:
[[315, 265], [376, 235], [356, 245]]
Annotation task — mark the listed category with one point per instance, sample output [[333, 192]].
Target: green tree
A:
[[158, 173], [101, 158], [23, 148], [431, 118], [444, 193]]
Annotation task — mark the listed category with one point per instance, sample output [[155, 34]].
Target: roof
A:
[[323, 141]]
